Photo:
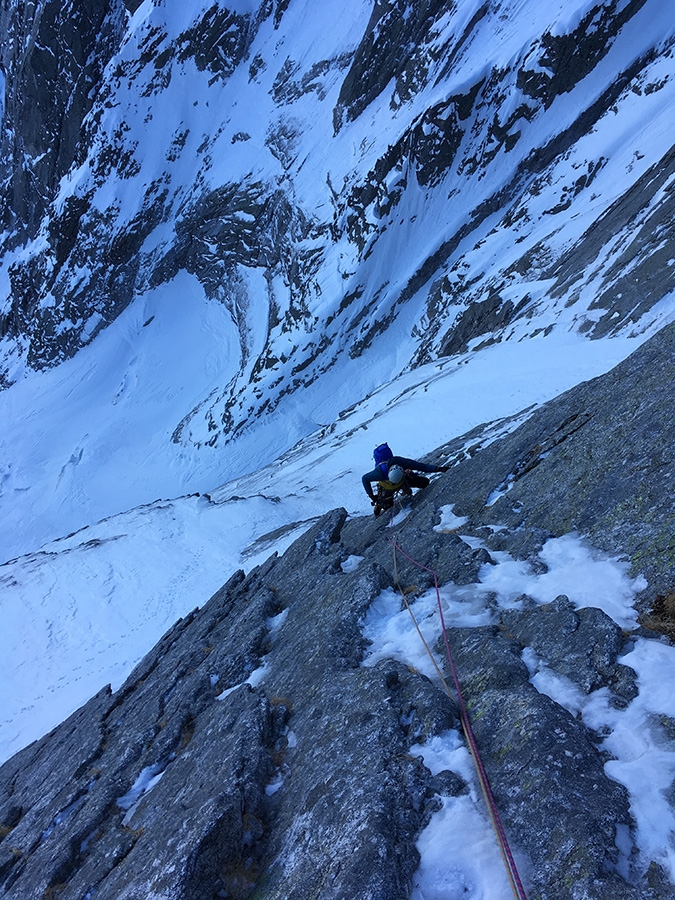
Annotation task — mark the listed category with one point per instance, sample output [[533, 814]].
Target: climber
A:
[[392, 474]]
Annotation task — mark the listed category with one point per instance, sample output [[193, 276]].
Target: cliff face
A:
[[53, 58], [291, 158], [252, 754]]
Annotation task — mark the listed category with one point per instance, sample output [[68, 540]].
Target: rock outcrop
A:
[[53, 57], [599, 460], [251, 754], [325, 731]]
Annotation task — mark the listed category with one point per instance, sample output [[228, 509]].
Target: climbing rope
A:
[[507, 856]]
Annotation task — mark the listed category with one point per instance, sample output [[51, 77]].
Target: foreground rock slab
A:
[[251, 754]]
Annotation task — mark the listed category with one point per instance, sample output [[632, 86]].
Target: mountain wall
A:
[[252, 754], [53, 58], [418, 176]]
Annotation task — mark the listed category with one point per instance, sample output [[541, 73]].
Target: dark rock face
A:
[[564, 60], [582, 645], [217, 42], [546, 773], [55, 55], [383, 54], [329, 734]]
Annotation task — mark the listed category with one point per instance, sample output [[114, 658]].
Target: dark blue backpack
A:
[[381, 455]]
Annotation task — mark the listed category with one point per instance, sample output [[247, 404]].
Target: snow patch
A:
[[351, 564], [449, 521], [643, 760], [145, 782]]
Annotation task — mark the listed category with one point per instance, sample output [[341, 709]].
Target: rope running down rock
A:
[[507, 856]]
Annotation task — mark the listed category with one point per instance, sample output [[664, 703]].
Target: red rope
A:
[[511, 868]]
